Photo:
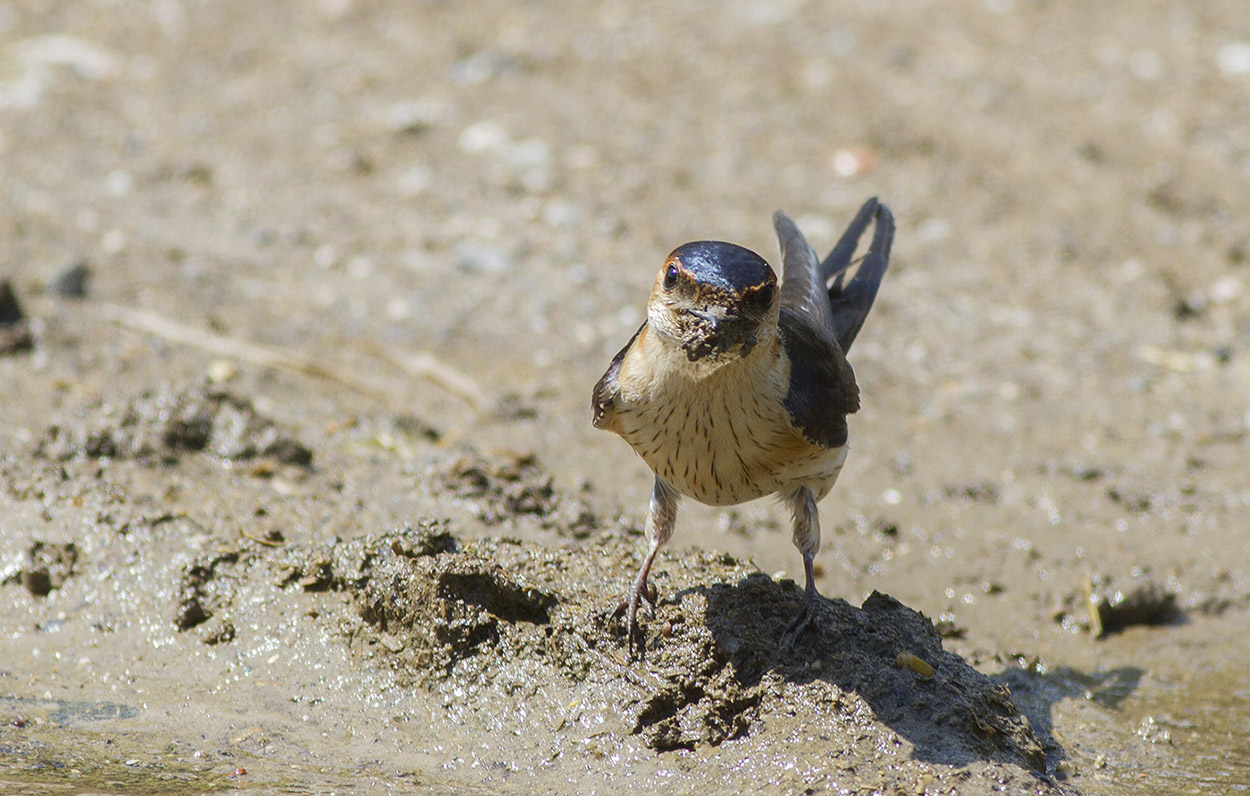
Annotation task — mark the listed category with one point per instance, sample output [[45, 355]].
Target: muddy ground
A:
[[298, 489]]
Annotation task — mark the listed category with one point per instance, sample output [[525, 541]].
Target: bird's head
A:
[[714, 300]]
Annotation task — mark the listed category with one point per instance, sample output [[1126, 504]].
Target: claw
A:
[[807, 612], [659, 527], [803, 620], [641, 590]]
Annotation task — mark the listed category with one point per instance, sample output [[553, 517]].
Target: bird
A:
[[736, 386]]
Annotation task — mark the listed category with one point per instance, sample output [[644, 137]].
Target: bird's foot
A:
[[641, 590], [802, 621], [628, 607]]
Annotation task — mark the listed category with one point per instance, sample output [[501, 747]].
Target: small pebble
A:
[[37, 581], [221, 370], [917, 665], [71, 280], [119, 183], [414, 182], [10, 309], [15, 334], [479, 257], [480, 67], [482, 137], [89, 60], [1226, 289], [113, 241], [853, 162]]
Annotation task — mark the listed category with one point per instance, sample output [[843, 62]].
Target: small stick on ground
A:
[[423, 364]]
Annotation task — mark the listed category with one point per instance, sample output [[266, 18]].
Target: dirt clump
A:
[[1111, 605], [510, 485], [163, 424], [204, 589], [15, 332], [47, 566]]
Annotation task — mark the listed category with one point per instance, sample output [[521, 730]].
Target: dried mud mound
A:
[[520, 629]]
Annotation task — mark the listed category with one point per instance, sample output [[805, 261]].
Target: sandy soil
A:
[[299, 489]]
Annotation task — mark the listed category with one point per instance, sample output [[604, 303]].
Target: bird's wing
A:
[[822, 385], [603, 399], [849, 304], [803, 291]]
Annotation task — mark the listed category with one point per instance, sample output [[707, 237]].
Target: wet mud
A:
[[496, 616], [300, 309], [508, 633]]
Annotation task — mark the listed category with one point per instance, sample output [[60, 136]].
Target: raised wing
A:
[[849, 304], [803, 290]]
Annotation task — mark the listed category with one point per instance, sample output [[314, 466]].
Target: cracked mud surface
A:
[[300, 308]]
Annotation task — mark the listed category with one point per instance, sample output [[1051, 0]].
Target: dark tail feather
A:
[[851, 303], [840, 258]]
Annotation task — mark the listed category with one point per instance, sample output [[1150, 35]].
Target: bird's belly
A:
[[720, 455]]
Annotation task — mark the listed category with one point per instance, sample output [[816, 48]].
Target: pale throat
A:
[[668, 360]]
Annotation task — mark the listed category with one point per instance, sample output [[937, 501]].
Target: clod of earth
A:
[[15, 334], [71, 280], [164, 424], [46, 567], [512, 485], [202, 591], [1142, 601]]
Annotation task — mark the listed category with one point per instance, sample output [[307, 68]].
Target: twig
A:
[[422, 365], [258, 540]]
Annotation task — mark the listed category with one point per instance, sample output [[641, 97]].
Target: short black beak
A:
[[724, 329]]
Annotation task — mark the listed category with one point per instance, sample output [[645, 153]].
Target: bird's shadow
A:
[[882, 652], [1036, 691]]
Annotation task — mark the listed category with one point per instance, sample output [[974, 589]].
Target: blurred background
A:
[[1056, 375], [496, 185]]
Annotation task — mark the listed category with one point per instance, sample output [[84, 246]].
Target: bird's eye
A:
[[766, 294], [670, 277]]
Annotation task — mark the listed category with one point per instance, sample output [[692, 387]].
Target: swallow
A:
[[737, 386]]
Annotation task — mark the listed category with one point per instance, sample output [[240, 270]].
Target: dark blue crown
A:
[[725, 266]]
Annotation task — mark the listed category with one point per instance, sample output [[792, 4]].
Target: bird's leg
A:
[[807, 539], [660, 519]]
